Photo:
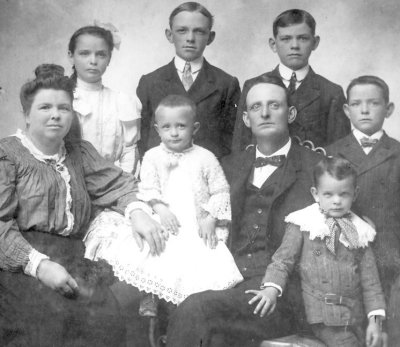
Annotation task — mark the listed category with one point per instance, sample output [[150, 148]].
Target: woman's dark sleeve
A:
[[107, 185]]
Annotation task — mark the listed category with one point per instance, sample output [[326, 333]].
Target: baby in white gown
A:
[[187, 189]]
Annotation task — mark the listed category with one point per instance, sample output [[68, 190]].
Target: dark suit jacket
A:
[[379, 197], [292, 192], [320, 117], [350, 273], [215, 93]]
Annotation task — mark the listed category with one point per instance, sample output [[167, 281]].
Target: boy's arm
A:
[[338, 124], [228, 115], [285, 258], [146, 113], [374, 300], [241, 134]]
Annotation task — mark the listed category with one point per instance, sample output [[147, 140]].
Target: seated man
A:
[[268, 181]]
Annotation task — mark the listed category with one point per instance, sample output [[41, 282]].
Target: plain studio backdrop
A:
[[357, 37]]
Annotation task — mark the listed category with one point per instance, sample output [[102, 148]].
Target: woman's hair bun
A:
[[45, 71]]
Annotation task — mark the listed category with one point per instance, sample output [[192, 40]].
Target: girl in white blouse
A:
[[108, 119]]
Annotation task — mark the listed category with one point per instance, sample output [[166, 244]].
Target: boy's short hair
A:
[[293, 16], [191, 6], [266, 79], [175, 101], [380, 83], [336, 167]]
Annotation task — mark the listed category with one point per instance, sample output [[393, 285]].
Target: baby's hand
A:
[[373, 336], [267, 298], [167, 218], [207, 231]]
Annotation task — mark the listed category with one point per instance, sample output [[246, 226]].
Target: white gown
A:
[[185, 267]]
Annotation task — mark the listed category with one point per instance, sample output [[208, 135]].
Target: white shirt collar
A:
[[358, 135], [282, 151], [195, 65], [286, 73], [89, 86]]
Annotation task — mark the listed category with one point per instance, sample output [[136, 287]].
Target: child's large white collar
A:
[[312, 220]]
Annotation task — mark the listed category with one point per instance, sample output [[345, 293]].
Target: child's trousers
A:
[[343, 336]]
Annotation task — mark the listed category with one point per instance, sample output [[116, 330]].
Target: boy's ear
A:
[[316, 42], [246, 119], [196, 127], [156, 127], [314, 193], [390, 109], [292, 114], [346, 110], [211, 37], [168, 35], [272, 44]]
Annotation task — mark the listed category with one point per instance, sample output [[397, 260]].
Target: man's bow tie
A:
[[366, 142], [275, 160]]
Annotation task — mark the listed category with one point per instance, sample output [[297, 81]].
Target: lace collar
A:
[[312, 220], [172, 158], [57, 158]]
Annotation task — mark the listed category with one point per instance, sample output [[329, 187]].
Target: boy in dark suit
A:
[[267, 182], [376, 158], [215, 93], [319, 102]]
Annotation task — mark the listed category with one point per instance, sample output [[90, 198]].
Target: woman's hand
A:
[[207, 231], [54, 276], [167, 218], [267, 298], [145, 227]]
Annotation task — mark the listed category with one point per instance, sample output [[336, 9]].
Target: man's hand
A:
[[144, 227], [267, 298], [56, 277]]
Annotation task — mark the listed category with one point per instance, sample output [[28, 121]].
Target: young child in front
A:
[[318, 101], [108, 119], [187, 190], [330, 247], [215, 93], [376, 158]]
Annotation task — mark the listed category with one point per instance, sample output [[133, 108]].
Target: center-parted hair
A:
[[48, 76], [367, 79], [191, 6], [93, 30], [336, 167], [266, 79], [175, 101], [291, 17]]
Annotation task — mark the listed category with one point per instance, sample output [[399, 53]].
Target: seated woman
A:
[[50, 185]]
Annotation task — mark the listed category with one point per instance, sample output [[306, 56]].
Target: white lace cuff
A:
[[218, 206], [35, 258], [273, 285]]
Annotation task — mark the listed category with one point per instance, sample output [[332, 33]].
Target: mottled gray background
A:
[[357, 37]]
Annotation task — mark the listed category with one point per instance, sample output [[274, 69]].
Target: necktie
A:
[[275, 160], [345, 226], [292, 84], [367, 142], [187, 78]]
